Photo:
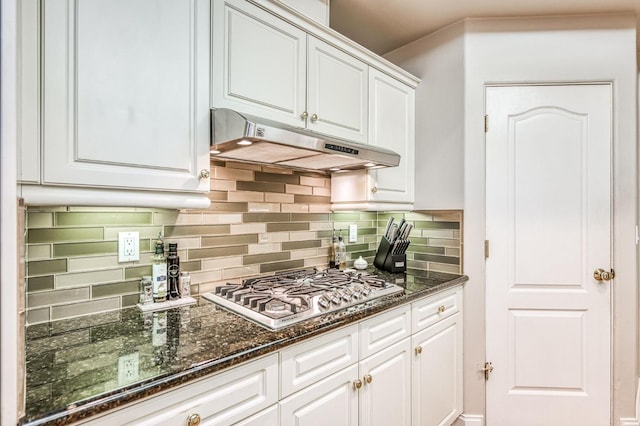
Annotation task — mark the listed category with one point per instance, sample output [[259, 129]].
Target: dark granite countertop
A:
[[73, 365]]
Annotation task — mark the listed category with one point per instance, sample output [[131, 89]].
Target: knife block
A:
[[387, 261]]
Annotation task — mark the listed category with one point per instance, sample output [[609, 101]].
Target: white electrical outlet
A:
[[353, 233], [128, 246], [128, 368]]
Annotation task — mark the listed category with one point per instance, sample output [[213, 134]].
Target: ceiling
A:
[[384, 25]]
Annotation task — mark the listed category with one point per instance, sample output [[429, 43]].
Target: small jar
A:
[[185, 284], [360, 263], [146, 290]]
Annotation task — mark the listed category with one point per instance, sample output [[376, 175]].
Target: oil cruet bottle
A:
[[173, 271], [159, 273]]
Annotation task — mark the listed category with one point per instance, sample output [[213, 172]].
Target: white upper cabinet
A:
[[267, 67], [125, 94], [391, 126]]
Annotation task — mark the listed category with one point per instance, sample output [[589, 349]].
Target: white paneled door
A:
[[548, 175]]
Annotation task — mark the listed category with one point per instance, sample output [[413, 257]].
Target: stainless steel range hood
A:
[[240, 137]]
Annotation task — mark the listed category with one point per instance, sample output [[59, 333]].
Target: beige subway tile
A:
[[263, 207], [206, 287], [273, 237], [56, 297], [448, 216], [184, 243], [248, 228], [261, 187], [320, 262], [319, 208], [415, 264], [228, 240], [264, 248], [239, 165], [302, 235], [135, 273], [442, 267], [84, 308], [303, 244], [413, 216], [205, 253], [205, 276], [39, 219], [231, 174], [253, 259], [45, 267], [84, 278], [324, 192], [311, 199], [270, 197], [298, 189], [456, 234], [217, 196], [115, 289], [287, 226], [435, 233], [193, 230], [222, 185], [277, 178], [221, 263], [228, 207], [143, 231], [312, 181], [77, 264], [277, 170], [83, 249], [221, 218], [295, 208], [38, 251], [450, 251], [246, 196], [320, 226], [46, 235], [280, 266], [304, 254]]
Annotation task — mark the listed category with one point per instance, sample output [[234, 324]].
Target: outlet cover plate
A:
[[353, 233], [128, 368], [128, 246]]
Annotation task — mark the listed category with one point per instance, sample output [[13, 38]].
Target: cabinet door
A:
[[385, 396], [337, 92], [392, 126], [333, 401], [437, 373], [259, 63], [126, 94]]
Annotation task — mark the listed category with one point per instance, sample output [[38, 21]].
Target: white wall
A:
[[538, 50]]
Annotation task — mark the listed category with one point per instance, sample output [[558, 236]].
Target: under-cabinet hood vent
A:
[[240, 137]]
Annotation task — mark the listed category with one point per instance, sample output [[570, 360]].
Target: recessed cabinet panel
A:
[[384, 330], [262, 61], [433, 309], [337, 92], [125, 89]]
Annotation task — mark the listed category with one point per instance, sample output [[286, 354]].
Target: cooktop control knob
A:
[[335, 297]]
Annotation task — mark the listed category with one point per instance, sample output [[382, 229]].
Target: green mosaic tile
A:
[[311, 199], [115, 289], [40, 284], [325, 234], [295, 245], [55, 297], [283, 227], [103, 218], [367, 231], [419, 240], [39, 220], [188, 230], [436, 225], [425, 249], [266, 217], [42, 267], [281, 266], [137, 272], [252, 259], [84, 308], [63, 235], [194, 254], [345, 217], [311, 217], [357, 247], [366, 254], [229, 240], [85, 249], [260, 186], [437, 259], [191, 266], [130, 300], [277, 177]]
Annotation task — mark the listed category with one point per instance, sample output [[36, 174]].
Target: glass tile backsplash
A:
[[261, 220]]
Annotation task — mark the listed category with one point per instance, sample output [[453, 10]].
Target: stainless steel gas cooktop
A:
[[276, 301]]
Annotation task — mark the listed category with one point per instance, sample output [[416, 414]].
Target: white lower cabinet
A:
[[268, 417]]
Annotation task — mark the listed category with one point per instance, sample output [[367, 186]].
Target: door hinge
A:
[[488, 368], [486, 249], [486, 123]]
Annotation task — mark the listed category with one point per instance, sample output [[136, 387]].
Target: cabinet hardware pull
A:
[[368, 379], [357, 383], [374, 189], [193, 420], [441, 308], [418, 350], [204, 174], [314, 118], [304, 115]]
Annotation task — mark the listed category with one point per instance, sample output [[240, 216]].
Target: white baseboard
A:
[[475, 420], [636, 421]]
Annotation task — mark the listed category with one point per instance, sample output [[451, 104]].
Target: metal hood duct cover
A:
[[240, 137]]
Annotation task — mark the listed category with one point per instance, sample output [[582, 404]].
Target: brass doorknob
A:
[[602, 275]]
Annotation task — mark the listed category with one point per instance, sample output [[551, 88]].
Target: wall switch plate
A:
[[128, 368], [128, 246], [353, 233]]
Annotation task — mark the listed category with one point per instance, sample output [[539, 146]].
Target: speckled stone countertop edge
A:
[[106, 402]]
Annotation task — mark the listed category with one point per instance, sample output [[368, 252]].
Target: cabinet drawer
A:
[[219, 400], [312, 360], [384, 330], [432, 309]]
